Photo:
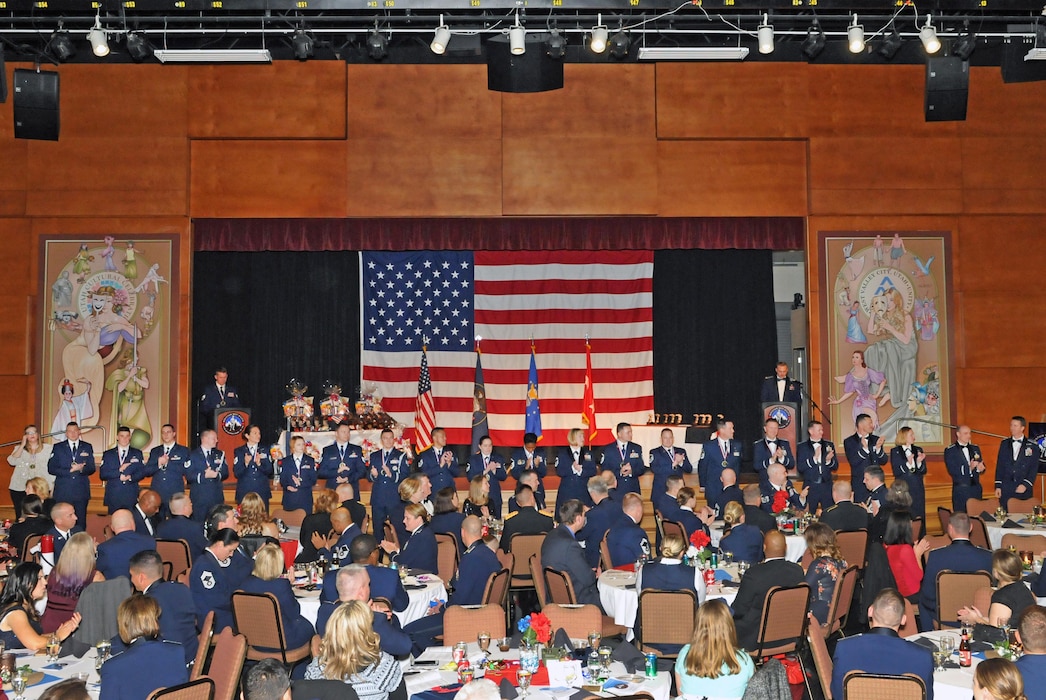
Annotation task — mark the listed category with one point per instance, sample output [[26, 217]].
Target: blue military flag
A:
[[533, 406]]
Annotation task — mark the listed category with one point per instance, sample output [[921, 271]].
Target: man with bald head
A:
[[731, 492], [114, 555], [845, 514], [965, 465], [774, 570], [626, 540], [352, 582], [477, 564], [345, 531], [146, 513]]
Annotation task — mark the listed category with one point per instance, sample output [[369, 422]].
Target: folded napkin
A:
[[1010, 524], [562, 640], [925, 642], [508, 691], [443, 692], [723, 575], [987, 517], [627, 654], [731, 584]]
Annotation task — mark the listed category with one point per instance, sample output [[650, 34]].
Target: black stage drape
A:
[[269, 317], [715, 335]]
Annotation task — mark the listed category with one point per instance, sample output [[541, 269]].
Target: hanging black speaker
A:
[[36, 105], [947, 88]]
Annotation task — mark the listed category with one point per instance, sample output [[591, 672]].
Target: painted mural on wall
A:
[[108, 331], [886, 333]]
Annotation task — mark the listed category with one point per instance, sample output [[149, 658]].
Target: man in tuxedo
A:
[[438, 462], [145, 512], [342, 462], [780, 387], [114, 555], [207, 470], [177, 612], [606, 513], [388, 468], [774, 570], [1017, 465], [668, 460], [353, 582], [754, 513], [665, 501], [719, 454], [217, 395], [816, 460], [863, 449], [961, 556], [167, 465], [561, 551], [492, 467], [625, 459], [64, 525], [627, 541], [180, 526], [71, 464], [122, 468], [772, 449], [527, 520], [845, 515], [526, 459], [965, 465], [529, 478], [777, 482], [880, 649]]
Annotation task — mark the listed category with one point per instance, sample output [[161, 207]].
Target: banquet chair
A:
[[842, 599], [97, 526], [560, 591], [390, 536], [662, 619], [784, 624], [605, 562], [446, 558], [979, 533], [671, 527], [854, 546], [538, 579], [976, 506], [521, 546], [227, 664], [461, 623], [508, 561], [822, 659], [876, 686], [257, 617], [577, 620], [955, 590], [982, 600], [199, 689], [936, 542], [290, 518], [917, 526], [807, 560], [659, 525], [945, 516], [204, 649], [176, 553], [496, 590], [911, 621], [1024, 543], [27, 548]]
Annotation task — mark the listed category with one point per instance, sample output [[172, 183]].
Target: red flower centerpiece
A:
[[535, 627], [780, 503], [699, 546]]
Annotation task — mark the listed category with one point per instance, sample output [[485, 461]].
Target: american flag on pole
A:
[[555, 297], [425, 410]]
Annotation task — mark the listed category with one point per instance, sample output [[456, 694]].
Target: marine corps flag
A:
[[588, 411]]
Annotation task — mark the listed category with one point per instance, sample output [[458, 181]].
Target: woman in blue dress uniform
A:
[[252, 467], [418, 550], [297, 477], [215, 576], [148, 662], [575, 466], [266, 578]]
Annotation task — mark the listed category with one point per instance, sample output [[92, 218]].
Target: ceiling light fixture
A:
[[765, 32], [98, 38], [891, 43], [61, 45], [377, 45], [517, 38], [556, 44], [692, 53], [213, 55], [619, 44], [138, 47], [441, 38], [1038, 51], [814, 42], [965, 45], [928, 36], [598, 43], [304, 45], [855, 36]]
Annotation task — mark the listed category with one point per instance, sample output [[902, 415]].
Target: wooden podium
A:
[[230, 423], [787, 415]]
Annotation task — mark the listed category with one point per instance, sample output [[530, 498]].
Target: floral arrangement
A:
[[535, 627], [700, 544], [780, 504], [1006, 651]]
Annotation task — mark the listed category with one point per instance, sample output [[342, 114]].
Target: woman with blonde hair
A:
[[478, 502], [1009, 599], [255, 527], [72, 573], [909, 467], [267, 577], [413, 489], [351, 653], [418, 549], [712, 665], [825, 570], [324, 502], [743, 541], [41, 487], [998, 679], [668, 573], [29, 459]]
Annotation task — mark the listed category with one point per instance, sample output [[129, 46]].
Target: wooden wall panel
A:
[[1004, 175], [268, 178], [14, 157], [988, 93], [898, 175], [17, 279], [731, 178], [424, 177], [284, 100], [597, 101], [107, 176], [579, 176], [124, 100], [993, 335], [995, 394], [1000, 253], [433, 101], [726, 100], [16, 332]]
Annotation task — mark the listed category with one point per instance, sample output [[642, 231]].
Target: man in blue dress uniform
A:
[[166, 466], [438, 462], [627, 541], [71, 463], [297, 477], [342, 462], [1017, 465], [816, 460], [114, 555], [780, 387], [217, 395], [863, 449], [177, 612], [625, 459], [207, 470], [526, 459], [122, 468], [668, 460], [965, 465], [180, 526], [772, 449], [717, 455], [388, 468], [252, 467]]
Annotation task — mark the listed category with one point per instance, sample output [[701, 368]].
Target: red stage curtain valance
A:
[[635, 233]]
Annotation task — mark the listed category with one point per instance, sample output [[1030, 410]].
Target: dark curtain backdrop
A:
[[269, 317], [715, 334]]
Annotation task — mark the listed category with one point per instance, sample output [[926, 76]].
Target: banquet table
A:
[[951, 683], [422, 677], [420, 598], [620, 599], [996, 531], [66, 667], [796, 544]]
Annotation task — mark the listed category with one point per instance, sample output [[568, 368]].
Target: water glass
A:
[[594, 639], [483, 638], [19, 681], [605, 653], [523, 677], [593, 665], [504, 643], [939, 657]]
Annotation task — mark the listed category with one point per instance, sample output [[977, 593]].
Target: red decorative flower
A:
[[780, 501], [542, 627], [699, 539]]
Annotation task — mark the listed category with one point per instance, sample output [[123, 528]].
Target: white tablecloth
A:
[[416, 608], [649, 437], [951, 683], [796, 543], [620, 599], [70, 665], [996, 532]]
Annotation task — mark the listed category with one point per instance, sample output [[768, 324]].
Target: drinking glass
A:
[[19, 681], [593, 665], [594, 639], [54, 648], [483, 638], [948, 644], [504, 643], [605, 653], [939, 657], [523, 677]]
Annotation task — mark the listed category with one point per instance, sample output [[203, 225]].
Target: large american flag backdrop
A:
[[446, 299]]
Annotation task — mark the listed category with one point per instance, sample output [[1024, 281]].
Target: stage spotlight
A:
[[138, 47], [441, 38], [61, 45], [891, 43], [517, 38], [97, 37], [619, 44], [928, 36], [303, 44], [855, 36], [765, 32], [377, 45], [814, 42], [598, 43], [556, 45], [964, 45]]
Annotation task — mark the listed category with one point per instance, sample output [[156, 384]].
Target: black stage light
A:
[[619, 44], [61, 45], [303, 45], [814, 42], [556, 46], [377, 45], [964, 45], [891, 43], [138, 47]]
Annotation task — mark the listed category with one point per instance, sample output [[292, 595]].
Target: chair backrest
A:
[[257, 617], [559, 588], [659, 525], [854, 546], [917, 526], [671, 527], [577, 620], [538, 579], [227, 663], [982, 600], [911, 621], [807, 560], [199, 663], [183, 578], [604, 553], [176, 553], [291, 518], [461, 623], [945, 516], [979, 533], [27, 545], [199, 689], [97, 526], [876, 686], [783, 622], [508, 561], [936, 542], [976, 506], [822, 659], [955, 590], [496, 591], [842, 599], [663, 618], [522, 546], [1024, 543], [390, 534], [446, 557]]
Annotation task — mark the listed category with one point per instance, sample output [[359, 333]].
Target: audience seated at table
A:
[[318, 525], [778, 493], [527, 519], [215, 576], [447, 515], [561, 551], [32, 522], [845, 515], [418, 549], [743, 541], [353, 583], [531, 479], [960, 555], [267, 578], [63, 524], [19, 623], [775, 570], [825, 570], [668, 573], [74, 571], [39, 486], [343, 532], [256, 528], [1031, 633], [904, 555], [713, 664], [687, 515], [148, 662], [898, 498], [351, 652], [476, 566], [478, 502], [731, 492], [604, 513], [627, 541], [1000, 679], [385, 583], [414, 489], [181, 526], [880, 649], [347, 496], [177, 612], [115, 553], [754, 514], [1009, 599], [69, 689]]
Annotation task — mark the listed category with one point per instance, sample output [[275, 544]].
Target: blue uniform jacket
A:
[[251, 476], [60, 539], [418, 551], [114, 555], [212, 400], [476, 566], [599, 519], [385, 491], [206, 492], [614, 458], [119, 493], [811, 471], [762, 457], [178, 615], [302, 497], [745, 542], [296, 629], [330, 467], [212, 586], [69, 486], [961, 556], [711, 465], [440, 475], [573, 485], [179, 527], [966, 481], [494, 478], [880, 650], [169, 479], [663, 465], [394, 641], [145, 666], [627, 543], [518, 465], [860, 458]]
